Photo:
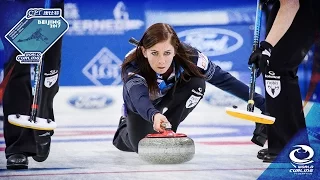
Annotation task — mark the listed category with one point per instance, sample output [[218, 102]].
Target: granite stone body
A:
[[166, 150]]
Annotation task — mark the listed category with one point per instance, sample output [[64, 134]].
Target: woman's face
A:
[[160, 56]]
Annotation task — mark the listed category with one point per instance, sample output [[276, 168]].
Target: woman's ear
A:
[[144, 51]]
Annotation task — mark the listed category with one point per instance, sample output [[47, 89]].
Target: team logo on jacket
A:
[[50, 81], [192, 101], [273, 87]]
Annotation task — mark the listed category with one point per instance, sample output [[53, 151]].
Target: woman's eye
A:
[[167, 53], [154, 53]]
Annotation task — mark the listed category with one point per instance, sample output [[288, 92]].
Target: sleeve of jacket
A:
[[138, 96], [225, 81]]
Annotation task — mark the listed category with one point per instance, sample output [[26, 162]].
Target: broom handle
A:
[[256, 39], [38, 82], [133, 41]]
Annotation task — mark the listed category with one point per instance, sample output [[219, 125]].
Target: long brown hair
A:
[[156, 33]]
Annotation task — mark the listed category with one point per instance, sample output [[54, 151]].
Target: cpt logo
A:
[[33, 12]]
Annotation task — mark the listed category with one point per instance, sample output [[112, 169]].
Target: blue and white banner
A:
[[97, 39], [96, 43]]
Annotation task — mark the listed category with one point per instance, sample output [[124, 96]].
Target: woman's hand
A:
[[158, 119]]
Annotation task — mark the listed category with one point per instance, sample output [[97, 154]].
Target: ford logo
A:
[[90, 101], [212, 41]]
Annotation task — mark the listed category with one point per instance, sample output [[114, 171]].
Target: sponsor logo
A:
[[103, 68], [119, 25], [52, 72], [301, 159], [272, 75], [212, 41], [202, 61], [199, 92], [90, 101]]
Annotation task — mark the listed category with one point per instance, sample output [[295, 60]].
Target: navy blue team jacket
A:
[[136, 93]]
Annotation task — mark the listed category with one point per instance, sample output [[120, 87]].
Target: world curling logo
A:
[[301, 157]]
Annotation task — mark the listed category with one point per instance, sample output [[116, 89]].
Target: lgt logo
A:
[[103, 68]]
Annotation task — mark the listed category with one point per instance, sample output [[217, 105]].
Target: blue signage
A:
[[36, 32]]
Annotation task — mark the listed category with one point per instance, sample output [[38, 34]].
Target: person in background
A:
[[291, 29], [22, 143]]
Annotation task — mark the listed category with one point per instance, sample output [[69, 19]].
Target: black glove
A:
[[260, 56]]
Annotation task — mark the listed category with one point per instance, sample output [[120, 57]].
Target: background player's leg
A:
[[50, 87], [283, 97], [17, 96], [17, 100]]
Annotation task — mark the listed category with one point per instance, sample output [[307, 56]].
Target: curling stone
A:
[[166, 148]]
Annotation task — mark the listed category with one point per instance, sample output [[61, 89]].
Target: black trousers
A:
[[178, 104], [283, 97], [18, 97]]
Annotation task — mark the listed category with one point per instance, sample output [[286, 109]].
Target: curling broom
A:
[[249, 114]]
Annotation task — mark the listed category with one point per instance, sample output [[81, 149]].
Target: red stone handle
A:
[[168, 133]]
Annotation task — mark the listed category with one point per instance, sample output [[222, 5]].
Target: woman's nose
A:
[[161, 60]]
